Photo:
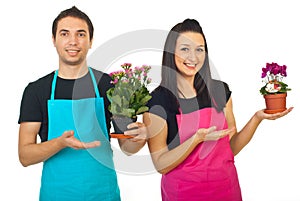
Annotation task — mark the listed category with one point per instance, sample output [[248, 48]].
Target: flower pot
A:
[[120, 123], [275, 103]]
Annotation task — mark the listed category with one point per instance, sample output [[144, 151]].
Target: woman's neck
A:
[[185, 87]]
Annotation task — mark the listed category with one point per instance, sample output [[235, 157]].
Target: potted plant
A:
[[129, 96], [274, 89]]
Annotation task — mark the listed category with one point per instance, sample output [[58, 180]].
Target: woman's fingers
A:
[[212, 134], [138, 131]]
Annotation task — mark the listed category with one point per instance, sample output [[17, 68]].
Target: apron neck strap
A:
[[53, 85], [93, 80], [180, 110]]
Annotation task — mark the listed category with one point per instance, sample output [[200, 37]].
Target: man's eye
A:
[[81, 34], [64, 34]]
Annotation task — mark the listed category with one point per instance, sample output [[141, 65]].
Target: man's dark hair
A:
[[73, 12]]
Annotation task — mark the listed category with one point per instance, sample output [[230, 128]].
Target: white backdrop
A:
[[241, 37]]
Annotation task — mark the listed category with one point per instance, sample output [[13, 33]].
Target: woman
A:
[[193, 136]]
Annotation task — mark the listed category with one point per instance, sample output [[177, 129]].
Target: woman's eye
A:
[[200, 50], [185, 49]]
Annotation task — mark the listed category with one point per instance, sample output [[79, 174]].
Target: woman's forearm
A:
[[166, 160], [242, 138], [130, 147]]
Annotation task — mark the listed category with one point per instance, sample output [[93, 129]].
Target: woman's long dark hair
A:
[[203, 81]]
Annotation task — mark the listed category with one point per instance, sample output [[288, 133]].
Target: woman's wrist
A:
[[258, 116], [197, 139]]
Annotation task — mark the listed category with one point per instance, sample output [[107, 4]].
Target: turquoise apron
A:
[[79, 175]]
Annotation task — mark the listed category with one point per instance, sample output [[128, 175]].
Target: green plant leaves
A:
[[129, 96], [284, 89]]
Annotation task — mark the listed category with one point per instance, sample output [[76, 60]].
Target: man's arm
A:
[[31, 152]]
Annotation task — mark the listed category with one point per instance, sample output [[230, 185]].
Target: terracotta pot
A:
[[120, 123], [275, 103]]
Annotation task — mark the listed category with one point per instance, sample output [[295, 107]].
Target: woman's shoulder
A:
[[163, 102], [220, 83], [161, 92], [222, 87], [163, 96]]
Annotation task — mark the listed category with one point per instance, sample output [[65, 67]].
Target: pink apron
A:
[[208, 173]]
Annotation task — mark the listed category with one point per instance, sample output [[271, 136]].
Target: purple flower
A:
[[283, 71], [274, 69], [273, 74], [264, 72]]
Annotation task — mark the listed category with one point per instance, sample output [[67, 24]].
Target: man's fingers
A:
[[68, 133], [85, 145], [93, 144]]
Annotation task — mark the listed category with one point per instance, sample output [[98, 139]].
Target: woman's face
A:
[[189, 53]]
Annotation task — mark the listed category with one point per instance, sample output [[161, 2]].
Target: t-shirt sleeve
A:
[[160, 103], [227, 91], [29, 109], [103, 85]]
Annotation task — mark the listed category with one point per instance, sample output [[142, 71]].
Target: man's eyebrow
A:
[[81, 30], [65, 30]]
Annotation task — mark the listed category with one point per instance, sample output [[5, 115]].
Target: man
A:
[[68, 110]]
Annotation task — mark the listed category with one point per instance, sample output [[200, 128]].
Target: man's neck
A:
[[72, 71]]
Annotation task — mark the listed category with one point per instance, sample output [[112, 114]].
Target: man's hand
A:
[[68, 140]]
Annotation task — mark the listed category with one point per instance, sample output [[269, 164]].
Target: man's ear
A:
[[91, 43], [53, 40]]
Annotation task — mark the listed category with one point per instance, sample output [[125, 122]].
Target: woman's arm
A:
[[164, 159], [242, 138], [133, 145]]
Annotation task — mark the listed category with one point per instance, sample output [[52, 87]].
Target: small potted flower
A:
[[129, 96], [274, 89]]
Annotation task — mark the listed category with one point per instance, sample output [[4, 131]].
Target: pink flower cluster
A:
[[129, 75]]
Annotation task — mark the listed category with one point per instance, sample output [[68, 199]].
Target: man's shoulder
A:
[[44, 79], [102, 77], [42, 82], [100, 74]]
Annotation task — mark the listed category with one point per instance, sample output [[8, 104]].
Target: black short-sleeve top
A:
[[36, 94], [164, 104]]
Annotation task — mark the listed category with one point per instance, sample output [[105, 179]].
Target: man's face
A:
[[72, 41]]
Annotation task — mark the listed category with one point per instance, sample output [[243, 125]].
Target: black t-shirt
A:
[[36, 94], [164, 104]]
